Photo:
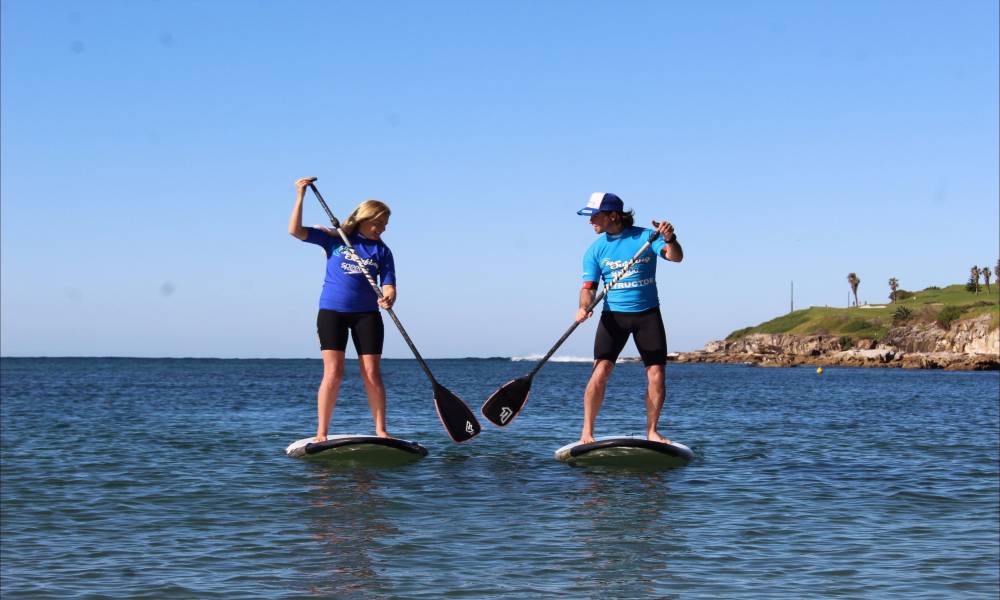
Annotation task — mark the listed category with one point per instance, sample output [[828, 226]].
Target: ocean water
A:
[[128, 478]]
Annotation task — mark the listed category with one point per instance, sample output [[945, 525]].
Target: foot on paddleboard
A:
[[656, 437]]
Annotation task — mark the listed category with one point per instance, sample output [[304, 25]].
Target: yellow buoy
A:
[[819, 370]]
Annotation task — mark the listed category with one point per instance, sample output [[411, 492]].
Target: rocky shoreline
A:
[[967, 345]]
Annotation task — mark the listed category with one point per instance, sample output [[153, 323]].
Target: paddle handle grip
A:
[[593, 303], [353, 255]]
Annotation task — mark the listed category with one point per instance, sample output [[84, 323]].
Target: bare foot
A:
[[383, 434], [319, 438], [586, 438], [656, 437]]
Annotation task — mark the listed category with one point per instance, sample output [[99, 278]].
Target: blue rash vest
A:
[[636, 291], [345, 288]]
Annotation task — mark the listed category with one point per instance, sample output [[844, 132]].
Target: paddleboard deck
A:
[[356, 447], [626, 451]]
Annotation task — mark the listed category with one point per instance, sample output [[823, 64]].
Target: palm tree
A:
[[974, 278], [853, 279], [986, 273], [893, 284]]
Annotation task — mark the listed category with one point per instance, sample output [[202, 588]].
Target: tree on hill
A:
[[853, 279], [986, 273], [893, 284], [973, 284]]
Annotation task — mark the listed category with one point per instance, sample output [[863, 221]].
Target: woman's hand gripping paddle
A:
[[505, 403], [456, 417]]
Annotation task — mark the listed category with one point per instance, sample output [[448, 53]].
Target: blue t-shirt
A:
[[345, 288], [636, 291]]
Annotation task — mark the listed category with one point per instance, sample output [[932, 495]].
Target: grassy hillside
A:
[[941, 305]]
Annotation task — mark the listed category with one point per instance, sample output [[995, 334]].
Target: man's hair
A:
[[627, 218]]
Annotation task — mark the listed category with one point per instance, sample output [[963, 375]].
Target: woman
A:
[[349, 304]]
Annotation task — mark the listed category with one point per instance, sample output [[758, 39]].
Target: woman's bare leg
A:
[[371, 374], [326, 397]]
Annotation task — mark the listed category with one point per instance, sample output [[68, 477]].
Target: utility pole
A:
[[793, 297]]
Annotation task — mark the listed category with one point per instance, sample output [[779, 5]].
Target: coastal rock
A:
[[973, 336], [950, 361], [864, 357], [968, 336], [777, 343], [968, 345]]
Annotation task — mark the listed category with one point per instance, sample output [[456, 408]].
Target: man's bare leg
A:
[[655, 394], [593, 397]]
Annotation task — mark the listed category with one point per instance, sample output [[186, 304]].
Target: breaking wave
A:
[[535, 357], [568, 359]]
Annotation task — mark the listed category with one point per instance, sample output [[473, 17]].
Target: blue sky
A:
[[149, 151]]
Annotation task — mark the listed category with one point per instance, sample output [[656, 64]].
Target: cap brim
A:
[[587, 211]]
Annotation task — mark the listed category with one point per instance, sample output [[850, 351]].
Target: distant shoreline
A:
[[851, 358], [871, 358]]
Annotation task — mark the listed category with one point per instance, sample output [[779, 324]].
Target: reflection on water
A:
[[627, 532], [347, 519]]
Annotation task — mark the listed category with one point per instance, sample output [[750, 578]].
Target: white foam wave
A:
[[536, 357], [560, 359]]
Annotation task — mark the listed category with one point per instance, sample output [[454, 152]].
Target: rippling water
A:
[[127, 478]]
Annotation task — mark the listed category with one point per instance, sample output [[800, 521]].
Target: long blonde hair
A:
[[369, 209]]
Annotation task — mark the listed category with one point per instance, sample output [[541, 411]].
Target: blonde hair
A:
[[369, 209]]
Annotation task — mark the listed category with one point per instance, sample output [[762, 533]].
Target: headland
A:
[[948, 328]]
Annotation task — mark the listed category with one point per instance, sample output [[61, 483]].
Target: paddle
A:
[[505, 403], [456, 417]]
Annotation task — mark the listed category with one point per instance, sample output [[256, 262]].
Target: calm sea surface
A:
[[128, 478]]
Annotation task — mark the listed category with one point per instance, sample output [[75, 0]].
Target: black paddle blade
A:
[[501, 408], [456, 417]]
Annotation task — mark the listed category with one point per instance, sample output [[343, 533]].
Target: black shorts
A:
[[645, 327], [366, 330]]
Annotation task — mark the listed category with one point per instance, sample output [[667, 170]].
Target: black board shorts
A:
[[366, 329], [645, 327]]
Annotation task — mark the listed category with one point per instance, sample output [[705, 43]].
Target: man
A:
[[632, 307]]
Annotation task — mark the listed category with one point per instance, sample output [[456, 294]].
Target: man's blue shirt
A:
[[345, 288], [636, 291]]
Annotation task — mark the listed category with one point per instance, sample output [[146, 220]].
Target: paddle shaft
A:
[[594, 303], [378, 291]]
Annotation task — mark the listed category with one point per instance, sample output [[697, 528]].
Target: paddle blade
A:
[[456, 417], [501, 408]]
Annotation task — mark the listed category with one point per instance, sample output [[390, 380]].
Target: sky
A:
[[149, 150]]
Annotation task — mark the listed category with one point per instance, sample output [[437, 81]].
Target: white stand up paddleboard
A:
[[626, 451], [360, 448]]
